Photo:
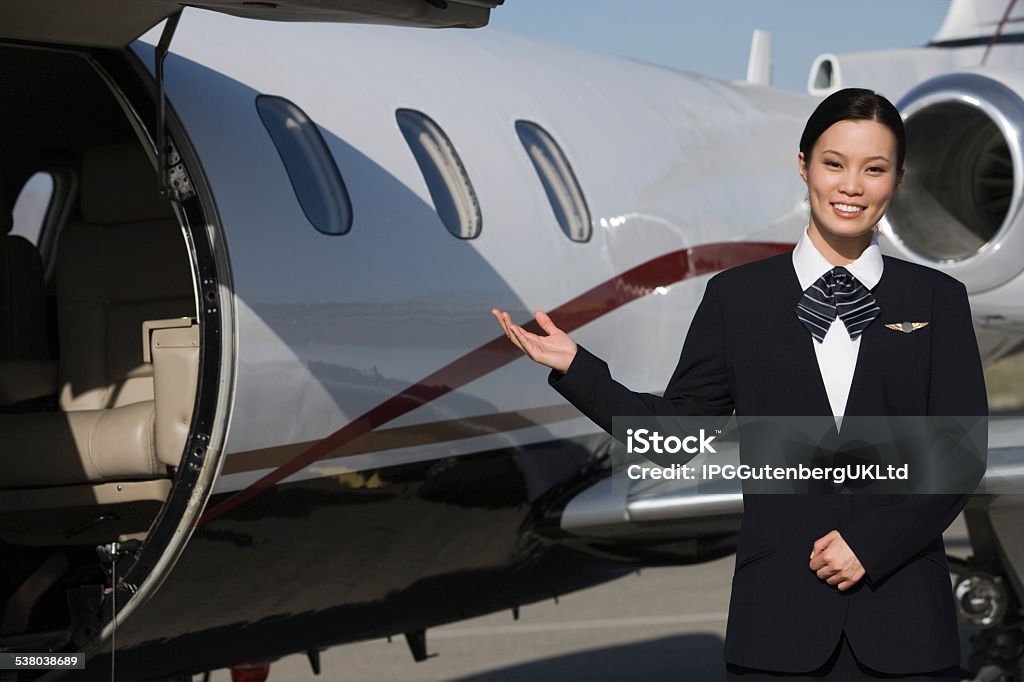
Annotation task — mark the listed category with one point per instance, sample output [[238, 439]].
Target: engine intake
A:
[[959, 206]]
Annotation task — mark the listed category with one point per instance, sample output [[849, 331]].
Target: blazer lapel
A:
[[858, 400], [871, 359]]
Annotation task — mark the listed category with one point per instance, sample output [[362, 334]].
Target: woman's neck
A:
[[838, 250]]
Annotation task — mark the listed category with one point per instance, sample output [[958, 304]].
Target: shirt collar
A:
[[810, 265]]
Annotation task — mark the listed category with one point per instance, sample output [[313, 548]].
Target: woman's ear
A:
[[802, 165], [899, 178]]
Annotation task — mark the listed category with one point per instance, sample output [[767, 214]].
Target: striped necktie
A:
[[837, 292]]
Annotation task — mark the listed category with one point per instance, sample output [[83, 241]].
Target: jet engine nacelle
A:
[[959, 208]]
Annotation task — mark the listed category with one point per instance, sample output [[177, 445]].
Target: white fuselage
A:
[[331, 326]]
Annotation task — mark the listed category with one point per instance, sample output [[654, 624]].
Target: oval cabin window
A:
[[314, 176], [450, 189]]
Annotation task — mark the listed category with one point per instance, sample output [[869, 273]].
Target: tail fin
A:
[[974, 22]]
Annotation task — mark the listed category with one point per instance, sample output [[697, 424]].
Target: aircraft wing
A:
[[115, 23]]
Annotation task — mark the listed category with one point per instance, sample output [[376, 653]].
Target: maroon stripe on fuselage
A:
[[638, 281]]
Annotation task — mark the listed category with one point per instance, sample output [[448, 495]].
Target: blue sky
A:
[[712, 37]]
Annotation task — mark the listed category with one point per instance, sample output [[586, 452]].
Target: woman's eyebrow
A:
[[841, 155]]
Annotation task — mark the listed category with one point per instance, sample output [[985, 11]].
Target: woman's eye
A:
[[832, 164], [876, 169]]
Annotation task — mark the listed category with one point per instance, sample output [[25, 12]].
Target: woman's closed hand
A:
[[556, 350], [834, 561]]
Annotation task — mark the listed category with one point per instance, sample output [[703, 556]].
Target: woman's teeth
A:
[[849, 208]]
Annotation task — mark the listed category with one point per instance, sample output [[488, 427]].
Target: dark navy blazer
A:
[[747, 352]]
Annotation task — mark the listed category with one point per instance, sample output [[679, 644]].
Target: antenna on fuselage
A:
[[759, 65]]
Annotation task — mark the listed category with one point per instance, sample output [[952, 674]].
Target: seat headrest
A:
[[119, 185]]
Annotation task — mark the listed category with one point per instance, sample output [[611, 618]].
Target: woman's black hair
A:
[[854, 104]]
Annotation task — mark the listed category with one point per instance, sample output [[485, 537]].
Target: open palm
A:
[[556, 350]]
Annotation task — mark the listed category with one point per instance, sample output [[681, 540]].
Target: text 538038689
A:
[[43, 661]]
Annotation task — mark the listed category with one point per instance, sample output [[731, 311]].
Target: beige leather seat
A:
[[125, 315], [124, 263]]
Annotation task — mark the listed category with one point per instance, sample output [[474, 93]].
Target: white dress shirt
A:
[[837, 353]]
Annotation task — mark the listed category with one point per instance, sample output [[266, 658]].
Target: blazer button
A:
[[837, 486]]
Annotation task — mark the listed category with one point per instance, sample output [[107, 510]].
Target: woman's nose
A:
[[850, 184]]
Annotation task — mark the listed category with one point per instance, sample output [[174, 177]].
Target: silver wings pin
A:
[[907, 327]]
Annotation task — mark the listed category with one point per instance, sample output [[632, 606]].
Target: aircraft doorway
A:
[[110, 349]]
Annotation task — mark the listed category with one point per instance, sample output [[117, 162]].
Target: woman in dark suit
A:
[[834, 587]]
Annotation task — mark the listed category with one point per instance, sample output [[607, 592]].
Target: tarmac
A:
[[659, 624]]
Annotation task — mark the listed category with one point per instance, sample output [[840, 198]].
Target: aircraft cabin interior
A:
[[99, 340]]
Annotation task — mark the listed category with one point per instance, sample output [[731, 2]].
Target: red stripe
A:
[[604, 298]]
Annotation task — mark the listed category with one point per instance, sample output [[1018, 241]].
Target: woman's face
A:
[[851, 177]]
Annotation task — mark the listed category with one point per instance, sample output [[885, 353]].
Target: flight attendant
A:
[[826, 587]]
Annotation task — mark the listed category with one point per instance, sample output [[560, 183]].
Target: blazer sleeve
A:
[[887, 536], [699, 386]]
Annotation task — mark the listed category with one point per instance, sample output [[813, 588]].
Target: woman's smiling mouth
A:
[[847, 210]]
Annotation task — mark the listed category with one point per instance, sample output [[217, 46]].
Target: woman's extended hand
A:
[[556, 350]]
